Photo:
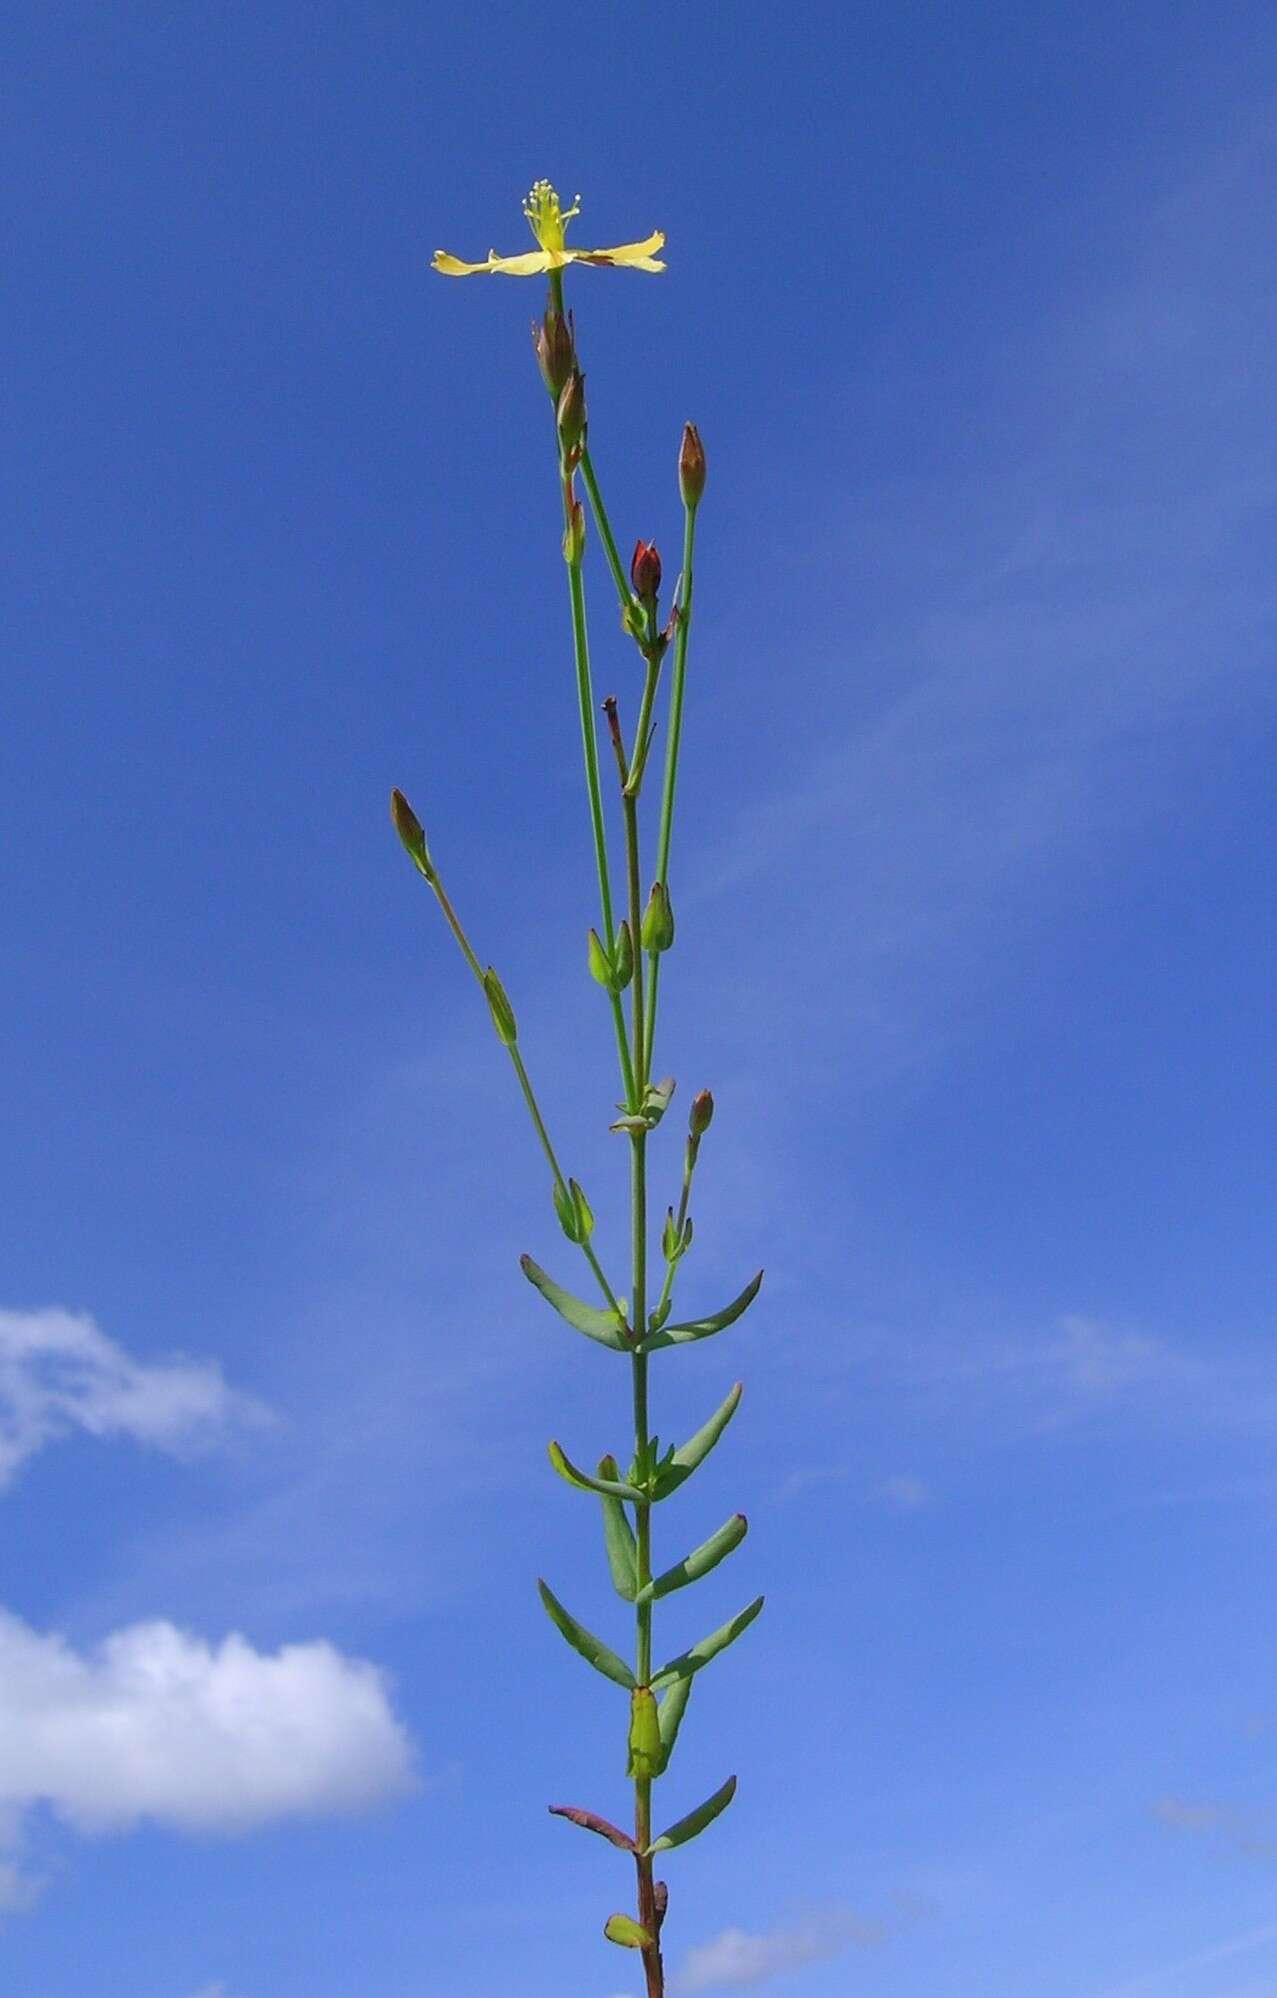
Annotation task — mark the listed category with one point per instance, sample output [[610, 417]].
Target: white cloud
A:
[[156, 1724], [736, 1958], [59, 1372]]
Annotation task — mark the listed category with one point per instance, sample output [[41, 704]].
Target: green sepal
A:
[[605, 1487], [618, 1536], [576, 1217], [605, 1326], [702, 1328], [623, 1929], [624, 956], [670, 1717], [591, 1648], [600, 964], [645, 1749], [683, 1461], [502, 1011], [671, 1240], [695, 1821], [409, 828], [699, 1562], [709, 1647]]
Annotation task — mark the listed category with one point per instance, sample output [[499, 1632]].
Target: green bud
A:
[[573, 1209], [584, 1212], [599, 962], [570, 413], [702, 1114], [691, 466], [408, 826], [671, 1240], [645, 1736], [657, 933], [501, 1009], [624, 956]]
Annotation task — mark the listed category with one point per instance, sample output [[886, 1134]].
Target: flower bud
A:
[[657, 933], [624, 956], [701, 1115], [571, 411], [555, 349], [409, 828], [645, 570], [574, 536], [691, 466], [500, 1008]]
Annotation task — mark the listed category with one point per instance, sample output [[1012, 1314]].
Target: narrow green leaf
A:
[[701, 1328], [684, 1460], [591, 1821], [670, 1716], [709, 1647], [591, 1648], [604, 1326], [623, 1929], [618, 1537], [700, 1561], [606, 1487], [695, 1821]]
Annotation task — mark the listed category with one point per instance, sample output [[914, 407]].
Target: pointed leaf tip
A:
[[591, 1821], [696, 1821]]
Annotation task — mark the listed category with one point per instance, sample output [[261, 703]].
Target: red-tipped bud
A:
[[701, 1115], [571, 412], [691, 466], [645, 570], [555, 349]]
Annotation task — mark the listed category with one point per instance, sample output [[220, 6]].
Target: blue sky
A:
[[975, 308]]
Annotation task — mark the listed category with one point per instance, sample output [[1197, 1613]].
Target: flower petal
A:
[[529, 265], [453, 267], [637, 256]]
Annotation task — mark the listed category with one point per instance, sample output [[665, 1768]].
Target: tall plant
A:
[[624, 957]]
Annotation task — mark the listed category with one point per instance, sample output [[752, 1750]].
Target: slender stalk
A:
[[525, 1084], [589, 739], [677, 685], [625, 595], [680, 1221]]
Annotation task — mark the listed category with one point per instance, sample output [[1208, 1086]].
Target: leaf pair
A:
[[680, 1669], [609, 1327]]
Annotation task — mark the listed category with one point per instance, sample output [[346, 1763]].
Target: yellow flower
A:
[[548, 221]]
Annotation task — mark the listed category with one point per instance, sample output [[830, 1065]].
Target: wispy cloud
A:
[[157, 1725], [59, 1372], [736, 1958], [1233, 1827]]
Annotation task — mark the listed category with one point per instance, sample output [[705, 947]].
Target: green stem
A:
[[638, 1320], [525, 1084], [680, 1221], [677, 687], [625, 595]]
